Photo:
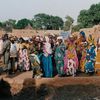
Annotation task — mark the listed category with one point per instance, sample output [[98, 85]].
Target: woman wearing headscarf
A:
[[90, 59], [47, 59], [59, 56], [81, 50], [23, 58], [70, 59]]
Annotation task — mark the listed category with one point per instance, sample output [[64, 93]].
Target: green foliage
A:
[[40, 21], [12, 22], [44, 21], [0, 24], [76, 28], [68, 23], [7, 26], [90, 17], [21, 24]]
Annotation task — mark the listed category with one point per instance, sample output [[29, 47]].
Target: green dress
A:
[[59, 58]]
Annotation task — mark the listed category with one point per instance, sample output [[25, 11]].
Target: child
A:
[[35, 64]]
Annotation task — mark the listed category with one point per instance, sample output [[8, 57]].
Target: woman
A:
[[90, 59], [70, 59], [23, 57], [81, 50], [47, 59], [59, 56]]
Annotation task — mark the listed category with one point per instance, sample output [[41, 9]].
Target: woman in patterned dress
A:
[[46, 59], [23, 57], [59, 56], [70, 56], [81, 46]]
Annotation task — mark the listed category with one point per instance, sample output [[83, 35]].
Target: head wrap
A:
[[59, 38], [83, 34]]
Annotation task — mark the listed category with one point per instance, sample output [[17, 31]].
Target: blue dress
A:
[[47, 65], [89, 66]]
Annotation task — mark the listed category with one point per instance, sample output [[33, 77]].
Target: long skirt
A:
[[89, 66], [70, 55], [47, 66], [24, 60], [60, 67]]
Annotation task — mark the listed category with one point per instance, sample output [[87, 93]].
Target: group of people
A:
[[48, 56]]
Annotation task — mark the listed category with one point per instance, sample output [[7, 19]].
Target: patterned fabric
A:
[[70, 54], [23, 59], [89, 66], [83, 60], [47, 48], [81, 52], [35, 64], [47, 60], [92, 52], [59, 58]]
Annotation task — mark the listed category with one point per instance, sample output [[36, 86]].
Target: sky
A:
[[18, 9]]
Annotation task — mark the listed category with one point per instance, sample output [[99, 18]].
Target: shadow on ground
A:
[[46, 92]]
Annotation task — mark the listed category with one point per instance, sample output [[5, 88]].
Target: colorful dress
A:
[[46, 60], [35, 64], [24, 59], [83, 60], [59, 58], [89, 66], [70, 55], [81, 53], [90, 59]]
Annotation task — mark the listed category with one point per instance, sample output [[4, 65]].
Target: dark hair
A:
[[5, 36]]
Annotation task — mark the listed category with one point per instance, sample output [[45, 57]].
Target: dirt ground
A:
[[22, 87]]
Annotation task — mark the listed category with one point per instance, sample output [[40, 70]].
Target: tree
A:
[[21, 24], [12, 22], [7, 26], [76, 28], [68, 23], [0, 24], [56, 22], [44, 21], [40, 21], [90, 17]]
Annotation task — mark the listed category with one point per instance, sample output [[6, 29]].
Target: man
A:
[[13, 57], [6, 51]]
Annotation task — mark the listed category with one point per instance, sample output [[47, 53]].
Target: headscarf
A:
[[83, 34], [59, 38], [90, 39], [47, 47]]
